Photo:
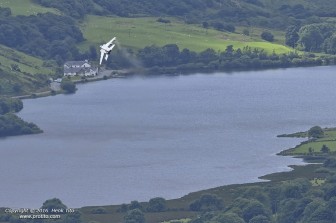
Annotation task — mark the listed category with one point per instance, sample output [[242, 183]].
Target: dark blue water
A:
[[133, 139]]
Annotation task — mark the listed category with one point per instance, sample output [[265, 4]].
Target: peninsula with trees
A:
[[10, 123]]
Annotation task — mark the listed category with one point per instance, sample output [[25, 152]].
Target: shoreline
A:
[[211, 190], [154, 71], [114, 74], [178, 208], [264, 179]]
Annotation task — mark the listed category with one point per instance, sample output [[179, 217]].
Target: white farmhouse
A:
[[80, 68], [77, 64]]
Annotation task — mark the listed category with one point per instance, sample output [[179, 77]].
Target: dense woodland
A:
[[10, 105], [244, 12], [47, 36], [317, 37], [11, 125]]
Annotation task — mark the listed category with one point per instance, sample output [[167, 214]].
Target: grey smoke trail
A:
[[134, 61]]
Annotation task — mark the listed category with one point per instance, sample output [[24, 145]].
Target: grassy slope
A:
[[140, 32], [28, 64], [25, 7]]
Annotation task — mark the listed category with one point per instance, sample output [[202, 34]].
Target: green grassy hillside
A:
[[25, 7], [19, 69], [27, 63], [137, 33]]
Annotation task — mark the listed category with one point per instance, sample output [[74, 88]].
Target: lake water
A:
[[134, 139]]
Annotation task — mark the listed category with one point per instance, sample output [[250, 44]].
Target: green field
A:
[[25, 7], [329, 140], [137, 33]]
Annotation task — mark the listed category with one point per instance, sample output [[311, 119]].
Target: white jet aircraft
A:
[[106, 49]]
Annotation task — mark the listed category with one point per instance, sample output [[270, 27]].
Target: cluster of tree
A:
[[11, 125], [157, 204], [207, 202], [320, 37], [128, 207], [268, 36], [325, 149], [315, 132], [229, 11], [134, 216], [134, 212], [48, 36], [159, 58], [290, 201], [297, 11], [10, 105]]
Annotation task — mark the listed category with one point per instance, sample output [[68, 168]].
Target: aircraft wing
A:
[[111, 48], [102, 52], [110, 42]]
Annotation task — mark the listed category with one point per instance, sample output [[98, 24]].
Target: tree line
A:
[[319, 37], [170, 56]]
